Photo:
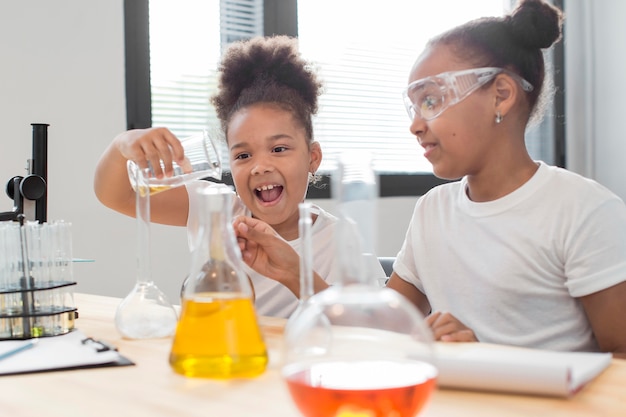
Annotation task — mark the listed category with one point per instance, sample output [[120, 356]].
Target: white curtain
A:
[[579, 87], [595, 65]]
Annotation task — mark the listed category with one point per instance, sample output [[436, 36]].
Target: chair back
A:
[[387, 264]]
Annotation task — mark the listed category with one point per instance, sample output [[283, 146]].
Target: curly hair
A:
[[514, 42], [267, 70]]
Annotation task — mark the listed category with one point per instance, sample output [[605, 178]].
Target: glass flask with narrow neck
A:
[[146, 312], [217, 335], [356, 349]]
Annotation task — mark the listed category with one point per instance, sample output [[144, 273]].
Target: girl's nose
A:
[[418, 126], [262, 166]]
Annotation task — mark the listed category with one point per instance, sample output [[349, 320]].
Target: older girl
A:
[[517, 252]]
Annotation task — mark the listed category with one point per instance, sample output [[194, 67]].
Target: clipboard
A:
[[66, 352]]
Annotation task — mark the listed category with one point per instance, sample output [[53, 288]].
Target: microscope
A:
[[29, 193]]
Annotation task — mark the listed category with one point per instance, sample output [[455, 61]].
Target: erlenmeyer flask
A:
[[357, 349], [218, 335]]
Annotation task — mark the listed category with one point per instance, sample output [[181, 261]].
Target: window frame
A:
[[280, 17]]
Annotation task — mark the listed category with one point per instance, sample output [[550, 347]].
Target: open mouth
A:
[[268, 193]]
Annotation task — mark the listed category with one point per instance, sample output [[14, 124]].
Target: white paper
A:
[[486, 367], [56, 352]]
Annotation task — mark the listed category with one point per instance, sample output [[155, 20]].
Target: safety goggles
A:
[[431, 96]]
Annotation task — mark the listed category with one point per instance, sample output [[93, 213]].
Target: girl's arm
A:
[[606, 311], [409, 291], [111, 183]]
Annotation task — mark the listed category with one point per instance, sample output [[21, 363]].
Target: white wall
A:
[[63, 64]]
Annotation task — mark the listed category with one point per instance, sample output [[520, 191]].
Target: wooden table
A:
[[151, 388]]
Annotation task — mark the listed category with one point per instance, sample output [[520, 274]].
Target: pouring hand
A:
[[151, 146]]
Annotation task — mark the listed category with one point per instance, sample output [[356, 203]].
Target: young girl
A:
[[266, 100], [517, 252]]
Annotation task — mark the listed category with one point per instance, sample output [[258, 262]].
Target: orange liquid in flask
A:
[[362, 389]]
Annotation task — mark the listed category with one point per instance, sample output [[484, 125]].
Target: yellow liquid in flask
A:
[[218, 338]]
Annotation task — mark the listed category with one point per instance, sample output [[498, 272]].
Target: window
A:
[[187, 38], [364, 60]]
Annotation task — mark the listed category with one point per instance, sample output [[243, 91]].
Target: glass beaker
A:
[[217, 335], [355, 349], [146, 312], [202, 160]]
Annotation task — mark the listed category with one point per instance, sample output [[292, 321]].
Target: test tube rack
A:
[[33, 302]]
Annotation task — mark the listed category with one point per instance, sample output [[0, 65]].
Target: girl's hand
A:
[[447, 328], [270, 255], [151, 146], [265, 251]]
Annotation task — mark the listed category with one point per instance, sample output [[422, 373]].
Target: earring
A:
[[498, 117]]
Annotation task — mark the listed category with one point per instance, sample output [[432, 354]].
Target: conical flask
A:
[[356, 349], [217, 335]]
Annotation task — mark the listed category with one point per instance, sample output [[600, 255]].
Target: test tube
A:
[[26, 281], [306, 252]]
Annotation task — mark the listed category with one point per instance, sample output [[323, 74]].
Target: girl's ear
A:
[[316, 157], [507, 90]]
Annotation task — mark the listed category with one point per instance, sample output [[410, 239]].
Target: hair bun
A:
[[535, 24], [267, 70]]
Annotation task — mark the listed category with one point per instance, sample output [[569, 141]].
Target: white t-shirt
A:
[[512, 269], [271, 297]]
